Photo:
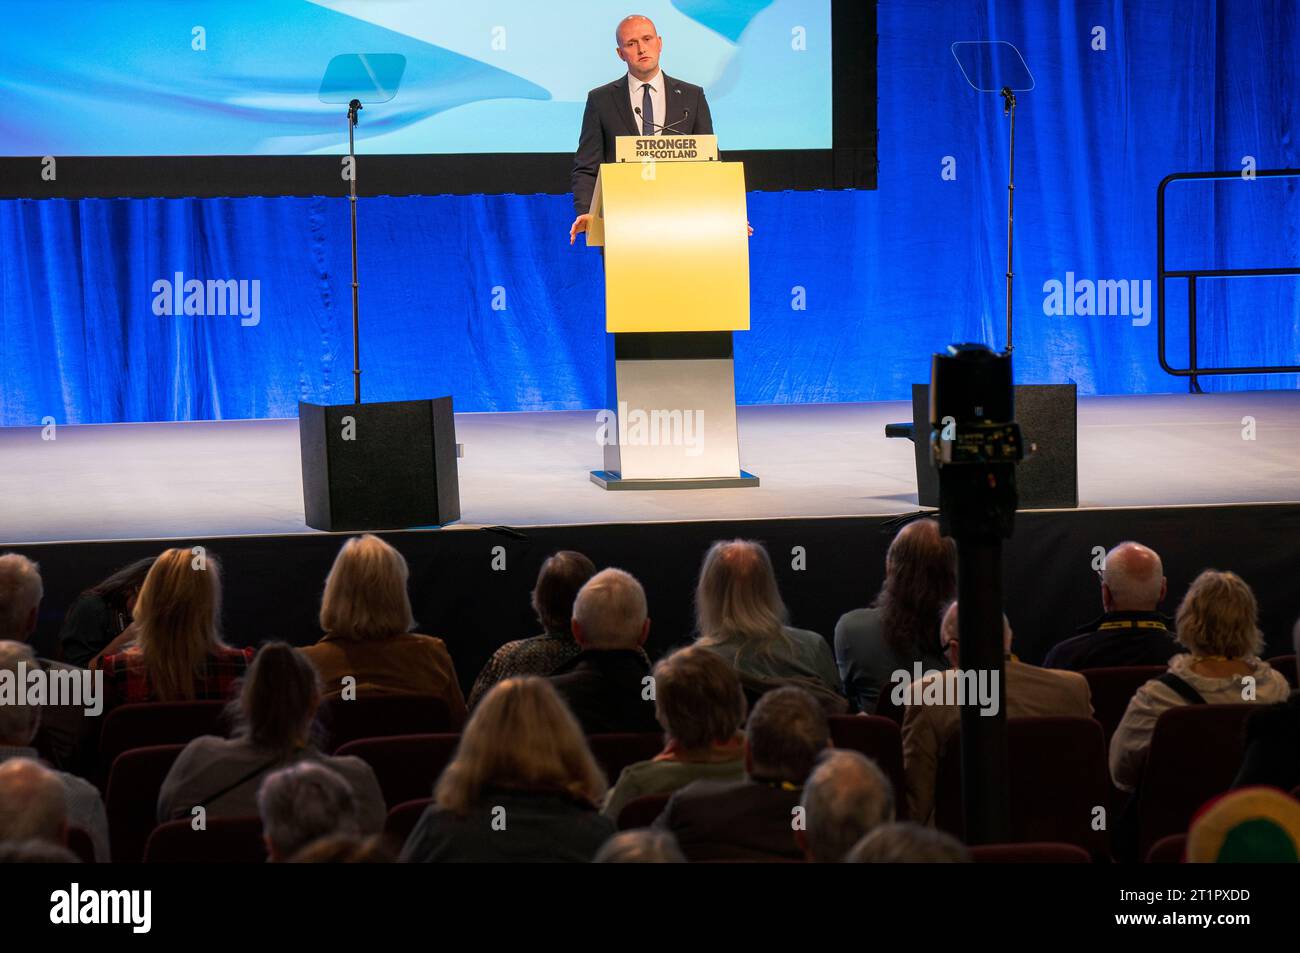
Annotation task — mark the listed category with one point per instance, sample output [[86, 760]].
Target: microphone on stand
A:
[[686, 113], [354, 107], [1008, 100]]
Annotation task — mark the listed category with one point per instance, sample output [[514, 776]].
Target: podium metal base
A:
[[612, 481]]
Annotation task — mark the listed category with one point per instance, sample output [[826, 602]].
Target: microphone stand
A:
[[1009, 109], [353, 108], [676, 132]]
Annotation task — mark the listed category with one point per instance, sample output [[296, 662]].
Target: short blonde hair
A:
[[365, 592], [20, 593], [1219, 616], [178, 615], [521, 736]]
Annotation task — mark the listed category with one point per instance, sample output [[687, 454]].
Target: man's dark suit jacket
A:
[[609, 115], [733, 820], [606, 689]]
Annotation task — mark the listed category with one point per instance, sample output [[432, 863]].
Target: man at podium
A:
[[645, 102]]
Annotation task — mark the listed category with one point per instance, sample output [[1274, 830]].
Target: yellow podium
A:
[[671, 219]]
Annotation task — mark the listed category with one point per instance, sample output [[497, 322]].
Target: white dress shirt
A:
[[657, 98]]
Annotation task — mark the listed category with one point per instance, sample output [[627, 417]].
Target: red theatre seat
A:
[[132, 799], [403, 818], [156, 723], [1168, 850], [641, 811], [1113, 688], [381, 716], [1029, 854], [880, 739], [1195, 753], [1058, 777], [406, 766], [226, 840]]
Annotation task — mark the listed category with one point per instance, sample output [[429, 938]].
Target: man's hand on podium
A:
[[579, 225], [750, 227]]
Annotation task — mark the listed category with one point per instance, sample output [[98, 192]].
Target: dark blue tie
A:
[[647, 111]]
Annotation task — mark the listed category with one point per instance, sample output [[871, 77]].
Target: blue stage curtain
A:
[[481, 297]]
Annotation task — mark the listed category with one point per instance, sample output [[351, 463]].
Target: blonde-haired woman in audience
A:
[[1217, 621], [523, 785], [740, 616], [173, 650], [366, 616]]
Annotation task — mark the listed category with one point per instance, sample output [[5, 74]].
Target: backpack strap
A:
[[1189, 694]]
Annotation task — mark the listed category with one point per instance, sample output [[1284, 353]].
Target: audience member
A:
[[18, 726], [523, 786], [21, 591], [1217, 622], [644, 846], [754, 818], [1255, 825], [33, 803], [302, 803], [929, 725], [906, 842], [901, 627], [607, 685], [845, 798], [1273, 742], [366, 616], [275, 710], [558, 582], [739, 614], [102, 613], [346, 849], [699, 705], [174, 651], [1131, 630]]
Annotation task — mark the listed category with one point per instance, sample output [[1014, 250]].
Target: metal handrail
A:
[[1193, 370]]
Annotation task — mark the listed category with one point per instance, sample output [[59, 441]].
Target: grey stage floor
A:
[[187, 480]]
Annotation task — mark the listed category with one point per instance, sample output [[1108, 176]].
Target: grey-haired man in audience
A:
[[844, 799], [21, 591], [18, 727], [755, 818], [32, 803], [301, 804]]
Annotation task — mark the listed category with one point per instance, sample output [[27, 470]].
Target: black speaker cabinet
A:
[[1048, 477], [379, 466]]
